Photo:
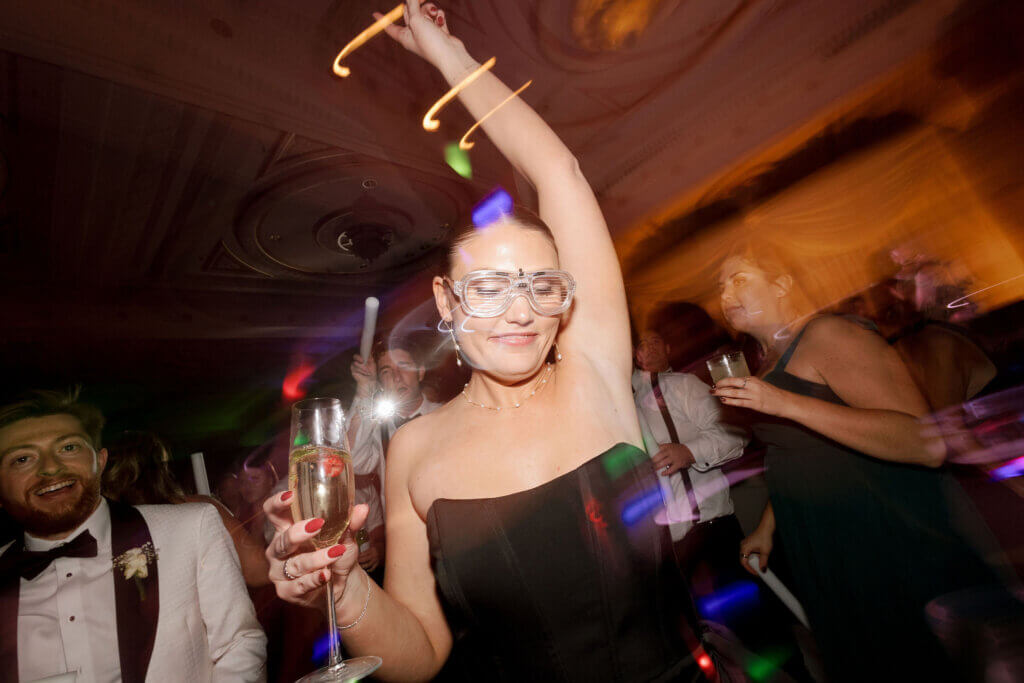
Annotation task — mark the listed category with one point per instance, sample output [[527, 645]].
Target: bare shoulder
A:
[[409, 441], [838, 336]]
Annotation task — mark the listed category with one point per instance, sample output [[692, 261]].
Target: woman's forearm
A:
[[388, 629], [884, 434], [516, 129], [767, 522]]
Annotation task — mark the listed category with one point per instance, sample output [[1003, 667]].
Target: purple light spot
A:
[[492, 208]]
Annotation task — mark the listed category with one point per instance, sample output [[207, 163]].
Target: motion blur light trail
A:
[[965, 299], [291, 387], [492, 208], [1014, 468], [354, 44], [737, 597], [464, 143], [429, 122], [640, 506]]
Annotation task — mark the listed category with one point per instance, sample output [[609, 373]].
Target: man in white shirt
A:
[[388, 394], [110, 591], [688, 445]]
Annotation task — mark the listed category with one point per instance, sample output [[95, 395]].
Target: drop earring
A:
[[558, 354], [458, 349]]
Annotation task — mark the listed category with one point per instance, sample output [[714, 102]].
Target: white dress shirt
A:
[[206, 629], [66, 617], [695, 414], [368, 452]]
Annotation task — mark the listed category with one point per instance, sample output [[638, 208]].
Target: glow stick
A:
[[375, 28], [779, 588], [369, 326], [199, 472]]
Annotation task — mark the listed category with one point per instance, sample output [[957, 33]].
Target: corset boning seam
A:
[[510, 560], [586, 493]]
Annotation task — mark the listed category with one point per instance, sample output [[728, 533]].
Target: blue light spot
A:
[[733, 599], [639, 507], [1014, 468], [322, 648], [492, 207]]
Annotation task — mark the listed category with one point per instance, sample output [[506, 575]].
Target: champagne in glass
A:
[[322, 482], [731, 364]]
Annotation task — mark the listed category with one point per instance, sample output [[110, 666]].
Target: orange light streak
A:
[[429, 122], [464, 143], [375, 28]]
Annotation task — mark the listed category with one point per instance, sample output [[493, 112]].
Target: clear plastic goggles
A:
[[489, 293]]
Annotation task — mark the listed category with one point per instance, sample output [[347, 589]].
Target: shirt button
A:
[[71, 618]]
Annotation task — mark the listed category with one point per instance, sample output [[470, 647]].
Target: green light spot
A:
[[620, 460], [300, 440], [458, 160], [763, 667]]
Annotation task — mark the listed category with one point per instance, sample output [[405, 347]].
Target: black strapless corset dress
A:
[[568, 581]]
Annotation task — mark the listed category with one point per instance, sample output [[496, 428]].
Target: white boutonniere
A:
[[134, 563]]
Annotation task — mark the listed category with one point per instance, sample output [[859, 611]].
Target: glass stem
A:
[[332, 617]]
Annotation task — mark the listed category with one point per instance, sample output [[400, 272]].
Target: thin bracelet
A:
[[365, 605]]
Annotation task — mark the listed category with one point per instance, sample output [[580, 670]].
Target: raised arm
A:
[[599, 329]]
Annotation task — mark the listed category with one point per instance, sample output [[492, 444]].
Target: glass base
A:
[[349, 670]]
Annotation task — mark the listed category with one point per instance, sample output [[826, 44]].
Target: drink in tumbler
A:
[[322, 481], [731, 364]]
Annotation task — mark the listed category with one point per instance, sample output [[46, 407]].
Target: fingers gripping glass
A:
[[489, 293]]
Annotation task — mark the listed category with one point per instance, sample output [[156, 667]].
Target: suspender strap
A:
[[691, 495]]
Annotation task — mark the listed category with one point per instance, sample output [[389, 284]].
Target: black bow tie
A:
[[31, 564]]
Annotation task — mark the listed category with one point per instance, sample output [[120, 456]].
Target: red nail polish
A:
[[314, 525], [286, 496], [323, 576], [440, 21], [336, 551]]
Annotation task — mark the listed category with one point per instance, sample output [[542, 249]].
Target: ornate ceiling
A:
[[194, 170]]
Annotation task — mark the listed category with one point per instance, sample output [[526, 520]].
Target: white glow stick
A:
[[199, 472], [369, 326], [779, 588]]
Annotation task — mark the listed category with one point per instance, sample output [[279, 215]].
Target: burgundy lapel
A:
[[10, 586], [136, 617]]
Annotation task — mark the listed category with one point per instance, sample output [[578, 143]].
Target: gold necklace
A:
[[536, 388]]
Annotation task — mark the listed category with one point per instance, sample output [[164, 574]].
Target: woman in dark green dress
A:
[[859, 498]]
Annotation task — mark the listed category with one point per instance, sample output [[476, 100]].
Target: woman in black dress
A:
[[858, 497], [520, 535]]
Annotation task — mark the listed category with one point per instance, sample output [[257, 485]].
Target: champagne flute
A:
[[322, 482]]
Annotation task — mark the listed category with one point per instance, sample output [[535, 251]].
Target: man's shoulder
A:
[[684, 381], [176, 518]]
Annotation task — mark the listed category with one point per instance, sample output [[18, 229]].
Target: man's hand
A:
[[364, 372], [672, 457]]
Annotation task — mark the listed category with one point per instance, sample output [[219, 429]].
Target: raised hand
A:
[[299, 576], [425, 32], [364, 372]]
